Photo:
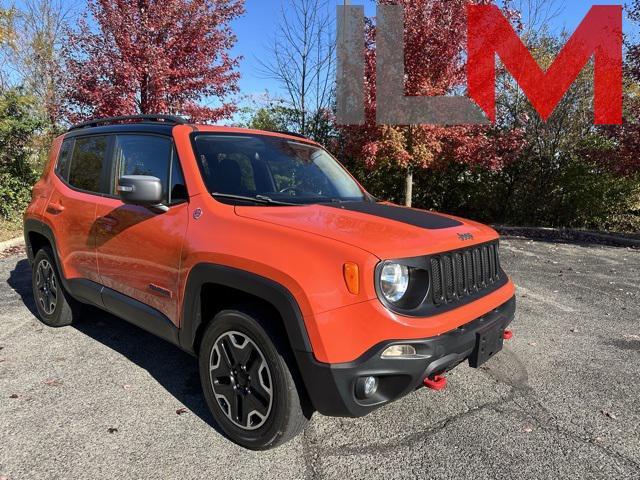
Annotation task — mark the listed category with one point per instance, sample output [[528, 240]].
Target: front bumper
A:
[[331, 387]]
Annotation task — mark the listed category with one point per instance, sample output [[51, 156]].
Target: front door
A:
[[139, 249]]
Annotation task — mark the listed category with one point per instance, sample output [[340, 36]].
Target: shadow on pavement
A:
[[172, 368], [20, 281]]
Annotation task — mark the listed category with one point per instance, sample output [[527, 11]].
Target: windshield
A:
[[272, 170]]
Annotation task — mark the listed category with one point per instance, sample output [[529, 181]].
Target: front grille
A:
[[460, 274]]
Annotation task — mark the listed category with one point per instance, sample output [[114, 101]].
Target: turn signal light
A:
[[351, 274]]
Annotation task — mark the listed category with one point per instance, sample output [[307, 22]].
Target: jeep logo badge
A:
[[465, 236]]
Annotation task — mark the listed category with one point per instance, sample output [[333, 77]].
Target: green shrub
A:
[[574, 194], [21, 152], [15, 194]]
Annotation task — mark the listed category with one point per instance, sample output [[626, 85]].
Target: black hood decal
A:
[[417, 218]]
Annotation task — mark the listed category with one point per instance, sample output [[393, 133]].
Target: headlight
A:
[[402, 285], [394, 281]]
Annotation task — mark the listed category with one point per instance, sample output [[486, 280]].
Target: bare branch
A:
[[302, 61]]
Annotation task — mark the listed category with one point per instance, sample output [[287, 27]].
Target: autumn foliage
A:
[[628, 158], [435, 43], [152, 56]]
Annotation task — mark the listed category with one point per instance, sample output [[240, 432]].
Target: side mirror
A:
[[141, 190]]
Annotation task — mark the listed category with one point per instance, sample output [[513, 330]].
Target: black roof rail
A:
[[292, 134], [168, 119]]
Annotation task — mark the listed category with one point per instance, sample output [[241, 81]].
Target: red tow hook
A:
[[436, 382], [507, 335]]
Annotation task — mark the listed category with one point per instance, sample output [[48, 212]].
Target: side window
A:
[[64, 160], [178, 191], [87, 161], [143, 155]]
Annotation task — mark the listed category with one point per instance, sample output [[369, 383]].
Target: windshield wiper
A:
[[261, 199]]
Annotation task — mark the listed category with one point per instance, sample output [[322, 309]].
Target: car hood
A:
[[387, 231]]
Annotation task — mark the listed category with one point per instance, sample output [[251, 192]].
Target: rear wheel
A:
[[56, 308], [247, 382]]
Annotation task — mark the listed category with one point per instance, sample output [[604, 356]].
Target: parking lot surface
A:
[[104, 399]]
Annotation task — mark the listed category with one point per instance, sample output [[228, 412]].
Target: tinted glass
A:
[[178, 190], [143, 155], [282, 169], [87, 162], [64, 160]]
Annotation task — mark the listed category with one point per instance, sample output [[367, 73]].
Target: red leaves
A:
[[159, 56], [435, 42]]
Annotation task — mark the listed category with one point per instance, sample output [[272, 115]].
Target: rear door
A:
[[81, 176], [139, 249]]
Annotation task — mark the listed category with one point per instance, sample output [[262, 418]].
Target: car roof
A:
[[154, 128], [249, 131], [164, 125]]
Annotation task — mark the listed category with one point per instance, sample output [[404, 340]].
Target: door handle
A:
[[55, 208]]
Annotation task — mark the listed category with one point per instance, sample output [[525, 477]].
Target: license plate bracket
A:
[[489, 341]]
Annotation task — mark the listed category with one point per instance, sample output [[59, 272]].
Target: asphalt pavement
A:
[[104, 399]]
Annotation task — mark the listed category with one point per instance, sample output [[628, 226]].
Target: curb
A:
[[14, 242], [571, 235]]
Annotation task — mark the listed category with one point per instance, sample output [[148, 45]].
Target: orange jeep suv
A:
[[261, 255]]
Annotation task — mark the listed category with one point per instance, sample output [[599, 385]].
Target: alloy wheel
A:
[[241, 380], [47, 287]]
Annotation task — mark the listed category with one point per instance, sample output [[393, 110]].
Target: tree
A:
[[263, 112], [435, 41], [7, 40], [624, 158], [272, 119], [33, 53], [153, 56], [20, 123], [561, 176], [630, 135], [304, 66], [634, 14]]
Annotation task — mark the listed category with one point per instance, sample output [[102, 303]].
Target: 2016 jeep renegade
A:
[[260, 254]]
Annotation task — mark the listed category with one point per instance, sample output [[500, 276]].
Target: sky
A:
[[256, 28]]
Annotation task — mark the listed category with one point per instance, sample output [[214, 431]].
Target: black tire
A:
[[56, 308], [270, 426]]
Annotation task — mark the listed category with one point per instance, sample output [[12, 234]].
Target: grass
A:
[[10, 230]]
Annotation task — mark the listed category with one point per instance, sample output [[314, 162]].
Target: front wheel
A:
[[247, 382]]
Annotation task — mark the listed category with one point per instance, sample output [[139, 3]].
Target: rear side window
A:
[[64, 160], [87, 163]]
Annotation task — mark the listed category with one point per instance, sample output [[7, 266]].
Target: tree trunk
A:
[[408, 189]]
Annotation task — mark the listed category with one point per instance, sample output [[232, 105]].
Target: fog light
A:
[[370, 386], [366, 387], [399, 351]]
